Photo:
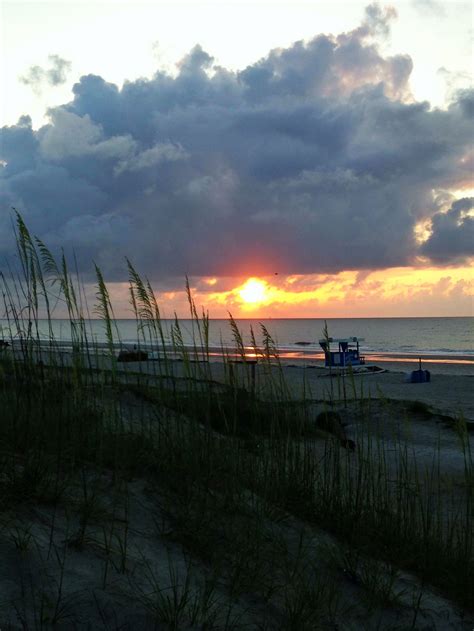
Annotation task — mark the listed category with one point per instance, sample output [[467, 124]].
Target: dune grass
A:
[[235, 476]]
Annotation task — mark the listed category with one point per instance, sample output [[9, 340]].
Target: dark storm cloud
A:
[[56, 74], [313, 159], [452, 234]]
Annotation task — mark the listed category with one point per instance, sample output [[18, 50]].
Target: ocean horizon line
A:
[[225, 319]]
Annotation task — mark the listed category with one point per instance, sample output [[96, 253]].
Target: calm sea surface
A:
[[407, 336]]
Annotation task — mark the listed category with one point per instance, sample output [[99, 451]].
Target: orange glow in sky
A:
[[404, 292], [395, 292], [254, 291]]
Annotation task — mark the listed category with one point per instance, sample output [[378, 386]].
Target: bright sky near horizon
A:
[[187, 170]]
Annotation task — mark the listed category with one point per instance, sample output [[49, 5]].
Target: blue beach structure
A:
[[347, 353]]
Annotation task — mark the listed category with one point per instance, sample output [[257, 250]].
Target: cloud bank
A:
[[452, 236], [314, 159]]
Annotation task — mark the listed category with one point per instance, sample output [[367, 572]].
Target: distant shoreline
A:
[[256, 318], [396, 343], [284, 352], [441, 364]]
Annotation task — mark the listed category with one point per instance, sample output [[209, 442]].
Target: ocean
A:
[[297, 339]]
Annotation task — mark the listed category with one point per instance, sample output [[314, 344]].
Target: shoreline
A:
[[461, 363]]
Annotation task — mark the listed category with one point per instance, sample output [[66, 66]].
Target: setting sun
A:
[[253, 291]]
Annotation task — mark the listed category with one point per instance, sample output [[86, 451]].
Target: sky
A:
[[293, 159]]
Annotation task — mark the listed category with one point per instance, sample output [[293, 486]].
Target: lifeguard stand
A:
[[348, 353]]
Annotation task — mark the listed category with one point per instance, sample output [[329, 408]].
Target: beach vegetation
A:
[[149, 493]]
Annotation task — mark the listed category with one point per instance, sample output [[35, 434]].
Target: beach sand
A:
[[450, 391]]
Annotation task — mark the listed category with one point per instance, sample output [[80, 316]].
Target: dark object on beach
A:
[[303, 343], [420, 376], [4, 344], [331, 422], [132, 356], [347, 443], [420, 408], [375, 369]]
